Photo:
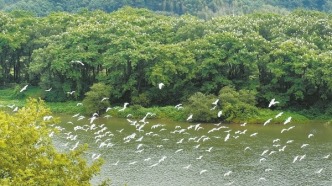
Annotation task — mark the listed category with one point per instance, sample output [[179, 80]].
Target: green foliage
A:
[[237, 104], [28, 156], [286, 57], [96, 100], [201, 107]]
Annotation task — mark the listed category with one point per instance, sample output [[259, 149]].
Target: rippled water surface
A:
[[172, 154]]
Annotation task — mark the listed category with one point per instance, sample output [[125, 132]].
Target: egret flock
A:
[[192, 149]]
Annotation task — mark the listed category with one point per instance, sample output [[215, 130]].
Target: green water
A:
[[159, 159]]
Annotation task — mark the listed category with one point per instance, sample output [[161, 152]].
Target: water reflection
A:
[[168, 153]]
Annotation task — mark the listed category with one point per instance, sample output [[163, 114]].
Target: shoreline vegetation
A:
[[151, 60], [166, 112]]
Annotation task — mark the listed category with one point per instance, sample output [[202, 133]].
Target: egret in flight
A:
[[24, 88], [124, 106], [273, 102], [161, 85]]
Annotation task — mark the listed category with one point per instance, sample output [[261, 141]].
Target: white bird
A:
[[267, 121], [71, 92], [187, 167], [278, 115], [202, 171], [219, 113], [310, 135], [179, 150], [104, 99], [24, 88], [243, 124], [199, 158], [79, 104], [288, 120], [48, 89], [295, 159], [215, 102], [124, 106], [190, 117], [79, 62], [209, 150], [254, 134], [327, 156], [304, 145], [319, 171], [228, 173], [247, 148], [273, 102], [161, 85], [227, 137]]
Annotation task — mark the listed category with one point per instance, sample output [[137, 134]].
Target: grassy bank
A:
[[8, 98]]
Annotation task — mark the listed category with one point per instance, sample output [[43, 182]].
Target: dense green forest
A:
[[262, 55], [201, 8]]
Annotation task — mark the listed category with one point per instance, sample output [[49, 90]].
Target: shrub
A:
[[93, 98]]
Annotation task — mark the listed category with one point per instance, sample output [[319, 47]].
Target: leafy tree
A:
[[201, 107], [237, 104], [28, 156], [97, 99]]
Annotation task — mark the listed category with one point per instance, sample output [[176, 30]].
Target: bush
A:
[[93, 98], [237, 104], [200, 106]]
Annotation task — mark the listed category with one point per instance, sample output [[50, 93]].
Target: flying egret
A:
[[71, 92], [278, 115], [219, 113], [267, 121], [48, 89], [273, 102], [187, 167], [77, 61], [288, 120], [190, 117], [215, 102], [24, 88], [104, 98], [161, 85], [228, 173], [227, 137], [202, 171], [310, 135], [124, 106]]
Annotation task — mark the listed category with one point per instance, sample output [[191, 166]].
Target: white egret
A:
[[202, 171], [48, 90], [319, 171], [124, 106], [190, 117], [104, 99], [228, 173], [77, 61], [215, 102], [187, 167], [310, 135], [219, 113], [288, 120], [267, 121], [273, 102], [24, 88], [161, 85], [278, 115]]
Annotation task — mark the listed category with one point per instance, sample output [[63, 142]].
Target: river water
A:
[[180, 153]]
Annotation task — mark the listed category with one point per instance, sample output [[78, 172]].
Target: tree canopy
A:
[[287, 57]]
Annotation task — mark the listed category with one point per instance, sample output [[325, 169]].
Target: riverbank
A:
[[7, 100]]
